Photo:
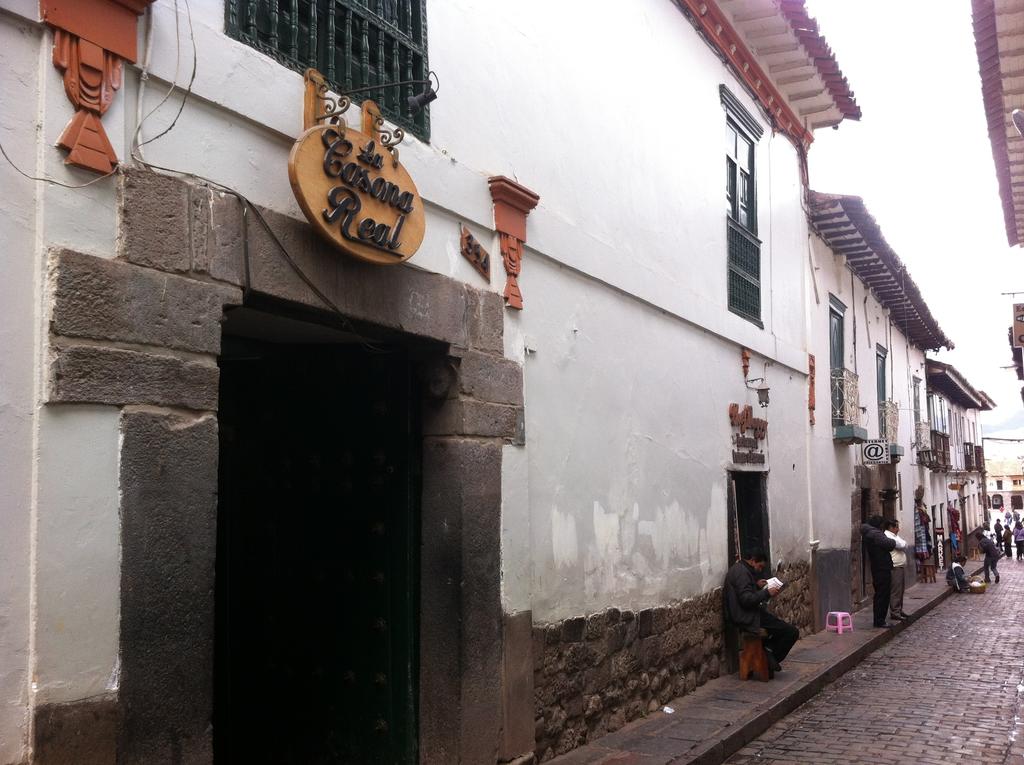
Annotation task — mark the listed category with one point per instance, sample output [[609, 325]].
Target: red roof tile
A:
[[986, 44], [806, 30], [847, 227]]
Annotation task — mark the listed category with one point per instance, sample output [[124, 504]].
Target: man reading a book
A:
[[746, 594]]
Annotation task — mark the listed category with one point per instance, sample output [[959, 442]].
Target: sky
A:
[[921, 160]]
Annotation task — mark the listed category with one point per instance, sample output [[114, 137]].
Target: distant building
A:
[[1005, 483], [955, 455], [871, 328]]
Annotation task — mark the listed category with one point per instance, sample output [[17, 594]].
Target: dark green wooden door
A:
[[317, 557]]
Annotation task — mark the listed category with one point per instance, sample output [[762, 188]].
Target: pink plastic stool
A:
[[842, 622]]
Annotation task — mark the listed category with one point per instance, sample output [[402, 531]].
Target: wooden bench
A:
[[753, 659]]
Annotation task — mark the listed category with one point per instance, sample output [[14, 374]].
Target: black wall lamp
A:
[[762, 390], [416, 101]]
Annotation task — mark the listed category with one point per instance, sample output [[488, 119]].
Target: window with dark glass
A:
[[353, 43], [917, 401], [739, 170], [836, 353], [742, 132]]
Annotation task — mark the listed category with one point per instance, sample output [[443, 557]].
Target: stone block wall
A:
[[593, 674], [795, 603]]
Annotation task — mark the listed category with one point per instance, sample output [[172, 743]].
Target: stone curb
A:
[[719, 750]]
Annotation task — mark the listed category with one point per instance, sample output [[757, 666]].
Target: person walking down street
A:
[[997, 532], [988, 547], [879, 546], [1008, 542], [956, 577], [1018, 538], [899, 567], [746, 594]]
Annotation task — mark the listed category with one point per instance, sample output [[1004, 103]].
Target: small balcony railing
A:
[[888, 421], [845, 398], [940, 451], [969, 463]]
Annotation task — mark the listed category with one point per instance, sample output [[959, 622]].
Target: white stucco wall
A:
[[866, 325], [972, 512], [78, 558], [59, 568], [19, 65], [619, 497], [630, 443], [633, 212]]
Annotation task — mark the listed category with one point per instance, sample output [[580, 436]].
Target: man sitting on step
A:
[[746, 595]]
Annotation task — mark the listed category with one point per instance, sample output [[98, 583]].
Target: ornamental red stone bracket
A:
[[512, 203], [91, 41]]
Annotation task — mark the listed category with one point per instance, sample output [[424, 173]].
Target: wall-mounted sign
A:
[[875, 452], [350, 184], [747, 448], [1018, 325], [475, 254]]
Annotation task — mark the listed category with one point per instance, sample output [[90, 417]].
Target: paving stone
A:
[[888, 701], [924, 697]]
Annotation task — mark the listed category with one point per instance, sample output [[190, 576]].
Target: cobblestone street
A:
[[947, 690]]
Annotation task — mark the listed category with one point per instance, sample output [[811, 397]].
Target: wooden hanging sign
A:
[[351, 186]]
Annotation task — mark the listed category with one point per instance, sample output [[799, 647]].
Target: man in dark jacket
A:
[[745, 596], [988, 547], [879, 546]]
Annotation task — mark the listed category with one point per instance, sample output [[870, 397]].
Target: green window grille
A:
[[353, 43], [744, 273], [742, 132]]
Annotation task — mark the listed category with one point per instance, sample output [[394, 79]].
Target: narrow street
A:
[[947, 690]]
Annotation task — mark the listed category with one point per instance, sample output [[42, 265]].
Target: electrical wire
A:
[[144, 74], [51, 181], [136, 144], [247, 205]]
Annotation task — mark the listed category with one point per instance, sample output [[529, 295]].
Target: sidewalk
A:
[[724, 714]]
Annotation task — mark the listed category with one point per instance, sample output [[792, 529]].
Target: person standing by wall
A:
[[879, 546], [899, 568], [991, 555]]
